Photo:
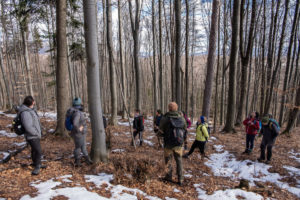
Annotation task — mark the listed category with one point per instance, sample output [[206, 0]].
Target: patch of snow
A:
[[225, 164], [21, 144], [8, 115], [150, 137], [46, 191], [168, 198], [213, 138], [117, 191], [123, 123], [66, 179], [9, 126], [148, 142], [219, 148], [51, 131], [229, 194], [176, 190], [292, 170], [188, 175], [5, 155], [192, 133], [51, 116], [6, 134], [118, 150], [295, 155]]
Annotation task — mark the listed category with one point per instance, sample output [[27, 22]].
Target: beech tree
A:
[[98, 150]]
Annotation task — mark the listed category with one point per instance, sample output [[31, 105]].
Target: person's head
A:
[[202, 119], [253, 114], [137, 112], [77, 101], [265, 120], [158, 112], [256, 115], [173, 106], [29, 101]]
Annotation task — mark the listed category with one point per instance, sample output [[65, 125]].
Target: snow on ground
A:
[[148, 142], [8, 115], [20, 144], [123, 123], [6, 134], [213, 138], [176, 190], [48, 189], [295, 155], [225, 164], [118, 151], [51, 116], [51, 131], [229, 194], [4, 155], [219, 148]]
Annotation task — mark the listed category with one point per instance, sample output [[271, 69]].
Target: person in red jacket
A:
[[252, 127]]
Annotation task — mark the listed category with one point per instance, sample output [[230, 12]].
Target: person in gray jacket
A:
[[269, 131], [33, 131], [79, 131]]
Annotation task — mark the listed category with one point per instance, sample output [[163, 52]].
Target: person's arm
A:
[[189, 123], [256, 125], [27, 122], [205, 132], [76, 122], [245, 122], [275, 129]]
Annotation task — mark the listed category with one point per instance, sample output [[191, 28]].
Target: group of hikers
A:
[[170, 128]]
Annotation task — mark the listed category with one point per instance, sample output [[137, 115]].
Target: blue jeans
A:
[[250, 142]]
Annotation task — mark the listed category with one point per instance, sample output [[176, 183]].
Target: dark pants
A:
[[269, 144], [140, 133], [36, 151], [250, 142], [200, 145]]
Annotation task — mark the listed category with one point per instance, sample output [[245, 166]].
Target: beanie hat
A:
[[265, 120], [202, 119], [77, 101]]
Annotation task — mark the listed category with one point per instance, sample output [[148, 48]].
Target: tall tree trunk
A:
[[154, 57], [229, 126], [211, 59], [62, 66], [177, 9], [135, 27], [5, 81], [123, 71], [161, 84], [187, 31], [113, 83], [98, 151], [245, 58], [288, 61]]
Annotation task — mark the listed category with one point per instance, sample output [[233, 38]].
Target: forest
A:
[[222, 60]]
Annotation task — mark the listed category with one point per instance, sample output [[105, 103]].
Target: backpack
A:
[[17, 126], [69, 121], [273, 121], [176, 132], [260, 125]]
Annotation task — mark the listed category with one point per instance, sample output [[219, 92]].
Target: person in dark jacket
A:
[[170, 149], [138, 126], [33, 131], [269, 131], [252, 126], [156, 121], [79, 131]]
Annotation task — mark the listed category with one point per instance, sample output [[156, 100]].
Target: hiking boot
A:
[[180, 183], [268, 162], [36, 171], [77, 163], [249, 152], [260, 160], [167, 178], [141, 143], [185, 147], [185, 155], [88, 160], [246, 151]]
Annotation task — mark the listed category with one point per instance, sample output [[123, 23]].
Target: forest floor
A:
[[137, 174]]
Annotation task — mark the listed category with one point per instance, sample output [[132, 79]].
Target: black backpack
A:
[[176, 132], [17, 126]]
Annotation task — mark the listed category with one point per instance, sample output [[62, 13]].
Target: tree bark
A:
[[211, 59], [187, 30], [112, 70], [62, 67], [177, 9], [229, 126], [161, 84], [98, 150]]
